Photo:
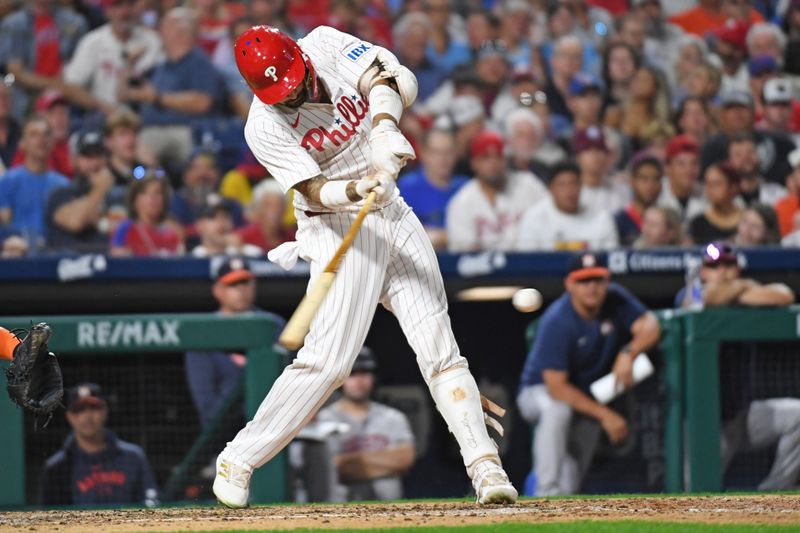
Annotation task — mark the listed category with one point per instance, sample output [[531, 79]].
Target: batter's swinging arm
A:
[[297, 328]]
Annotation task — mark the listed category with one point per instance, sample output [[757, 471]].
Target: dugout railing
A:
[[691, 352], [692, 343], [149, 335]]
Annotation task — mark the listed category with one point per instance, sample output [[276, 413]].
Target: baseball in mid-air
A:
[[527, 300]]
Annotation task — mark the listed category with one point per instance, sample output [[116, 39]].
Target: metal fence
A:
[[139, 360]]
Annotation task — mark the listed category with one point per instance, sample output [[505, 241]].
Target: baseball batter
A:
[[324, 123]]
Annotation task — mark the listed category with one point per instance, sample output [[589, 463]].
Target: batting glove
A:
[[390, 149], [366, 185], [385, 188]]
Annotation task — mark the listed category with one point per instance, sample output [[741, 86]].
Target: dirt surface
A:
[[767, 509]]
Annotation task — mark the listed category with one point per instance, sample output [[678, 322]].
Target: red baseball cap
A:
[[487, 143], [588, 139], [250, 167], [50, 98], [681, 144], [734, 32]]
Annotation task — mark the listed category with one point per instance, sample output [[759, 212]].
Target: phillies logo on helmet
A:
[[270, 73]]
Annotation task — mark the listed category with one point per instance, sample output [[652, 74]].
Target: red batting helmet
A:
[[272, 64]]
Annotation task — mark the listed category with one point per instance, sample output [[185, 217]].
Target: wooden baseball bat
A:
[[296, 329]]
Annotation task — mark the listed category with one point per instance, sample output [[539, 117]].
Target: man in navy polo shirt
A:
[[213, 376], [181, 92], [596, 327], [95, 467]]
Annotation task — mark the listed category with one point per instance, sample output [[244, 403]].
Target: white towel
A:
[[285, 255]]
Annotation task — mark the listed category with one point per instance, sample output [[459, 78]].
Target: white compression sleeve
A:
[[384, 99]]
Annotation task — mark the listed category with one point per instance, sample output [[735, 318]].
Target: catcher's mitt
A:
[[34, 376]]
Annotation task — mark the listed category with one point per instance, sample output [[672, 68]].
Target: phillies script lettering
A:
[[351, 112], [493, 229]]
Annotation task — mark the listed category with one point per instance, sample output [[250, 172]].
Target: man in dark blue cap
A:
[[95, 467], [585, 100], [737, 116], [377, 446], [596, 327], [722, 283]]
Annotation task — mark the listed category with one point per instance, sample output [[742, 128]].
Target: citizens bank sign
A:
[[624, 262], [116, 333]]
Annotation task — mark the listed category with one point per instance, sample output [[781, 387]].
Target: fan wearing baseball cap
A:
[[585, 100], [680, 188], [592, 154], [465, 117], [77, 215], [94, 466], [594, 328], [485, 213], [781, 109], [54, 107], [737, 116], [730, 44]]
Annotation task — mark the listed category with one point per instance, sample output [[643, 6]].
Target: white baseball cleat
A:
[[232, 483], [491, 484]]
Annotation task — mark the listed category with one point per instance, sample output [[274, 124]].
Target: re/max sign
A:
[[112, 333]]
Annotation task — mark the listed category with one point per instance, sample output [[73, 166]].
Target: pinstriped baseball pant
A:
[[390, 262]]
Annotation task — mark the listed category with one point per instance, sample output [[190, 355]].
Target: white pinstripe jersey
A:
[[318, 139]]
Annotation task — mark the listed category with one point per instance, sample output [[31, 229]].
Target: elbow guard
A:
[[389, 68]]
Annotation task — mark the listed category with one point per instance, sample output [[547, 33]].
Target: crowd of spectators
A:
[[540, 125]]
